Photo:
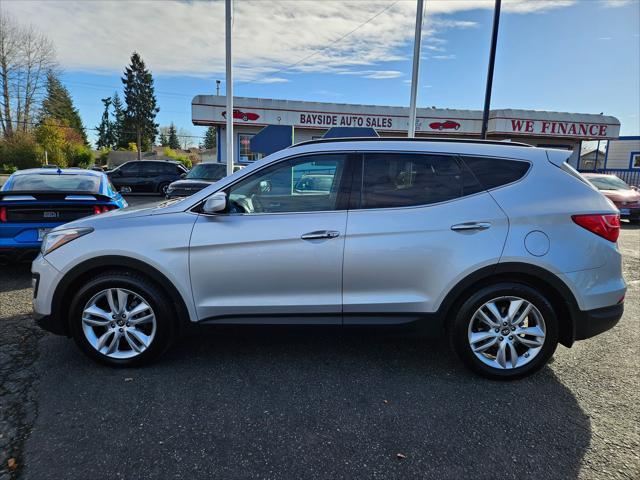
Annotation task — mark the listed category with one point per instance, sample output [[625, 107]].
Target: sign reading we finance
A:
[[553, 128]]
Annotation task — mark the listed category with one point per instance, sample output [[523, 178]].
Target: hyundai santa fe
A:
[[503, 248]]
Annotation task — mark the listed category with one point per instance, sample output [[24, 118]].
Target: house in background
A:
[[592, 158]]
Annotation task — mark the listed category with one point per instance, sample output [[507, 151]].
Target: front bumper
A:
[[590, 323], [46, 279]]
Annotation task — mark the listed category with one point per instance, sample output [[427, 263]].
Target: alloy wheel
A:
[[506, 332], [119, 323]]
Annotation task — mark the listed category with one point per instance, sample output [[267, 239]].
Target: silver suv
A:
[[503, 248]]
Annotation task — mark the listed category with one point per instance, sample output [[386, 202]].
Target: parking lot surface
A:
[[295, 403]]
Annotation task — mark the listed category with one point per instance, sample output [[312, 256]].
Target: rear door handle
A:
[[319, 234], [470, 226]]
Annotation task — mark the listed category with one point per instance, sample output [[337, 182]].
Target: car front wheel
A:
[[505, 331], [121, 319]]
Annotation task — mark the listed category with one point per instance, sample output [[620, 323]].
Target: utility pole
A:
[[416, 66], [492, 60], [228, 9]]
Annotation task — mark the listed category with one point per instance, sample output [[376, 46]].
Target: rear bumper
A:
[[590, 323]]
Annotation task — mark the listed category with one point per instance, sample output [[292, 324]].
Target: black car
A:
[[202, 175], [146, 176]]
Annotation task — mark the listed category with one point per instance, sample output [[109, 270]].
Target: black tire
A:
[[155, 297], [458, 329], [162, 189]]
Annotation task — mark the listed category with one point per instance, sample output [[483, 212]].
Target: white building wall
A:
[[619, 152]]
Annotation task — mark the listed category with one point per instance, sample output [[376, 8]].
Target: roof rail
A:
[[405, 139]]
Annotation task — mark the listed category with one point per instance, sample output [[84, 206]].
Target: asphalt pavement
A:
[[293, 403]]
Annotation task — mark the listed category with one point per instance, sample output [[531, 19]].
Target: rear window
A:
[[609, 183], [38, 182], [494, 172]]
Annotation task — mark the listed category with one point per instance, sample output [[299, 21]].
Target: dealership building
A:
[[311, 120]]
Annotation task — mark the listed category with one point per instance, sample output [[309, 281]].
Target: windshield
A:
[[609, 183], [207, 172], [38, 182]]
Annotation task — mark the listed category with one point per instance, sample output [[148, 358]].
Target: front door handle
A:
[[319, 234], [470, 226]]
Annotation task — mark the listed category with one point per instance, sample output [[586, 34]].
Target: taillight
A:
[[3, 214], [606, 226], [102, 209]]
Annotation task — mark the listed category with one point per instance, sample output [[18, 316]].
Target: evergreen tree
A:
[[141, 104], [105, 129], [174, 143], [59, 105], [164, 141], [120, 140], [209, 142]]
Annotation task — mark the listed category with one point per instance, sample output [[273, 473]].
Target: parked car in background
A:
[[146, 176], [201, 176], [624, 196], [504, 248], [34, 201]]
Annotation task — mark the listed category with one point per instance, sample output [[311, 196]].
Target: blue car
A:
[[34, 201]]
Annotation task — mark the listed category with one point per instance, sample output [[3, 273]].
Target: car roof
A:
[[59, 171]]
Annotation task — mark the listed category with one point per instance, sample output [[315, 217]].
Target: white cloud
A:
[[187, 37], [616, 3], [443, 57]]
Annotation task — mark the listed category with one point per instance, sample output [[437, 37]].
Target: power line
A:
[[311, 55]]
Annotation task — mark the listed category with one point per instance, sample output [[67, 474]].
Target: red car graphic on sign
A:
[[446, 125], [240, 115]]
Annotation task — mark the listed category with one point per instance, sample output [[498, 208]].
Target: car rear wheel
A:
[[120, 319], [505, 331]]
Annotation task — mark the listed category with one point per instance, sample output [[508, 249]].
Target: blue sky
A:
[[580, 56]]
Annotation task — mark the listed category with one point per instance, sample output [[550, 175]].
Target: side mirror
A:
[[183, 175], [633, 187], [215, 203]]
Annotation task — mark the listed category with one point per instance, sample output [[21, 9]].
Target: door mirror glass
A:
[[216, 203], [183, 175]]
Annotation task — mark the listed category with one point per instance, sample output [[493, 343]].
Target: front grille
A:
[[47, 213]]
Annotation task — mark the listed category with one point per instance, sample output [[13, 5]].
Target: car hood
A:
[[188, 183], [622, 195], [120, 214]]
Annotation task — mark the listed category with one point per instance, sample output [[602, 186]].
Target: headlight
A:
[[57, 238]]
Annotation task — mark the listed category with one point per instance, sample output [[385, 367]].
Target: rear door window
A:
[[494, 172], [393, 179]]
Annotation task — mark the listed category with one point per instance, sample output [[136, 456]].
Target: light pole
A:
[[217, 88], [492, 60], [416, 67], [228, 9]]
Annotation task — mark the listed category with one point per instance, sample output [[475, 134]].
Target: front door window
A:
[[305, 184]]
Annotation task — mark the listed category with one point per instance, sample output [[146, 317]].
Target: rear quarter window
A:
[[495, 172]]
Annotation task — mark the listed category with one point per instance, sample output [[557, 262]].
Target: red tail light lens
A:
[[606, 226], [3, 214], [101, 209]]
